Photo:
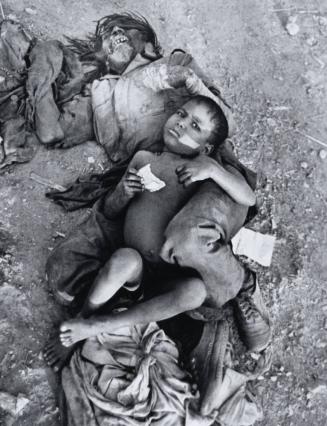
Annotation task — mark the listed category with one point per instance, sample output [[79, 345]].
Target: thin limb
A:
[[184, 295], [125, 266]]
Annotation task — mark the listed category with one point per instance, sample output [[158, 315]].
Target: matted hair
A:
[[86, 49]]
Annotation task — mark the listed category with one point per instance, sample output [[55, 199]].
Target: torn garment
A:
[[130, 378]]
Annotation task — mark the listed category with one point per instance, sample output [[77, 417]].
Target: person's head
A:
[[198, 126], [121, 36]]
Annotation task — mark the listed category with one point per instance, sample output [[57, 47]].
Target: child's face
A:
[[187, 131]]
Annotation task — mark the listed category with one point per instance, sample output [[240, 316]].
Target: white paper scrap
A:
[[151, 182], [256, 246]]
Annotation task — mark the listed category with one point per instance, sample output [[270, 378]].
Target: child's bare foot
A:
[[56, 355], [73, 331]]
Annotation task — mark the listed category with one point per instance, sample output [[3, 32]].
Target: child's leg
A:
[[181, 295], [124, 267]]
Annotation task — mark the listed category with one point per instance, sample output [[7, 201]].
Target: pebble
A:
[[273, 378], [311, 41], [292, 27], [271, 122], [12, 17], [255, 356], [323, 154], [320, 388], [31, 10], [90, 160], [304, 165]]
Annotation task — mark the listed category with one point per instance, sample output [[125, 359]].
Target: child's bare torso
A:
[[149, 213]]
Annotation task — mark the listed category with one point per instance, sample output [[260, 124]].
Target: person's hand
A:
[[131, 184], [198, 169]]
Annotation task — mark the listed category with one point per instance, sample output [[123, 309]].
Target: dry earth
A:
[[270, 59]]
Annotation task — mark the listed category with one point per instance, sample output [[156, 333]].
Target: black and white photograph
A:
[[163, 206]]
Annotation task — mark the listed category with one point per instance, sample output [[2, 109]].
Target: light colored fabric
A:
[[134, 107], [129, 378]]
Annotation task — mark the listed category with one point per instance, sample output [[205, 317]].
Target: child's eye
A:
[[180, 113], [195, 125]]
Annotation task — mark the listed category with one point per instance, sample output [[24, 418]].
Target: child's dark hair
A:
[[220, 130]]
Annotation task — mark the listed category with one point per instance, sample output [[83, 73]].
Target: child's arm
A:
[[130, 185], [230, 180]]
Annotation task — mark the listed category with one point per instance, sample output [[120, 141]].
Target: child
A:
[[190, 136]]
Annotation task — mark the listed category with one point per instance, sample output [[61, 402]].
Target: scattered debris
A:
[[2, 12], [312, 138], [60, 234], [255, 245], [318, 388], [46, 182], [304, 164], [11, 404], [31, 10], [281, 108], [292, 27], [323, 154], [90, 160]]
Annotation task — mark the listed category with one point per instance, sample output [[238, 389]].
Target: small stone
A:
[[31, 10], [304, 165], [292, 28], [12, 17], [90, 160], [255, 356], [288, 374], [273, 378], [311, 41], [323, 154], [321, 345], [2, 79], [271, 122], [318, 389]]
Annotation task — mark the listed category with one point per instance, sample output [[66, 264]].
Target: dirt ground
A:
[[270, 59]]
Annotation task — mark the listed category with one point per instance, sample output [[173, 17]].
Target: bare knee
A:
[[125, 261], [192, 293]]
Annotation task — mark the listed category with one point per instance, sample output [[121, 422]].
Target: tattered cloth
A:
[[129, 378]]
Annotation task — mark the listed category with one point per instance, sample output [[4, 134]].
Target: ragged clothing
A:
[[74, 263], [55, 94], [130, 110], [130, 377], [42, 91], [133, 377]]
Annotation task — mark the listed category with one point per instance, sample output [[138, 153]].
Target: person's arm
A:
[[230, 180], [130, 185], [164, 76]]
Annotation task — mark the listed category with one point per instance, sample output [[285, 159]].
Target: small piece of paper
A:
[[256, 246], [151, 182]]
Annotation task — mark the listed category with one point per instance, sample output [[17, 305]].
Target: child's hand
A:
[[131, 184], [195, 170]]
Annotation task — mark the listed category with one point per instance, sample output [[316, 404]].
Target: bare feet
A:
[[56, 355], [73, 331]]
